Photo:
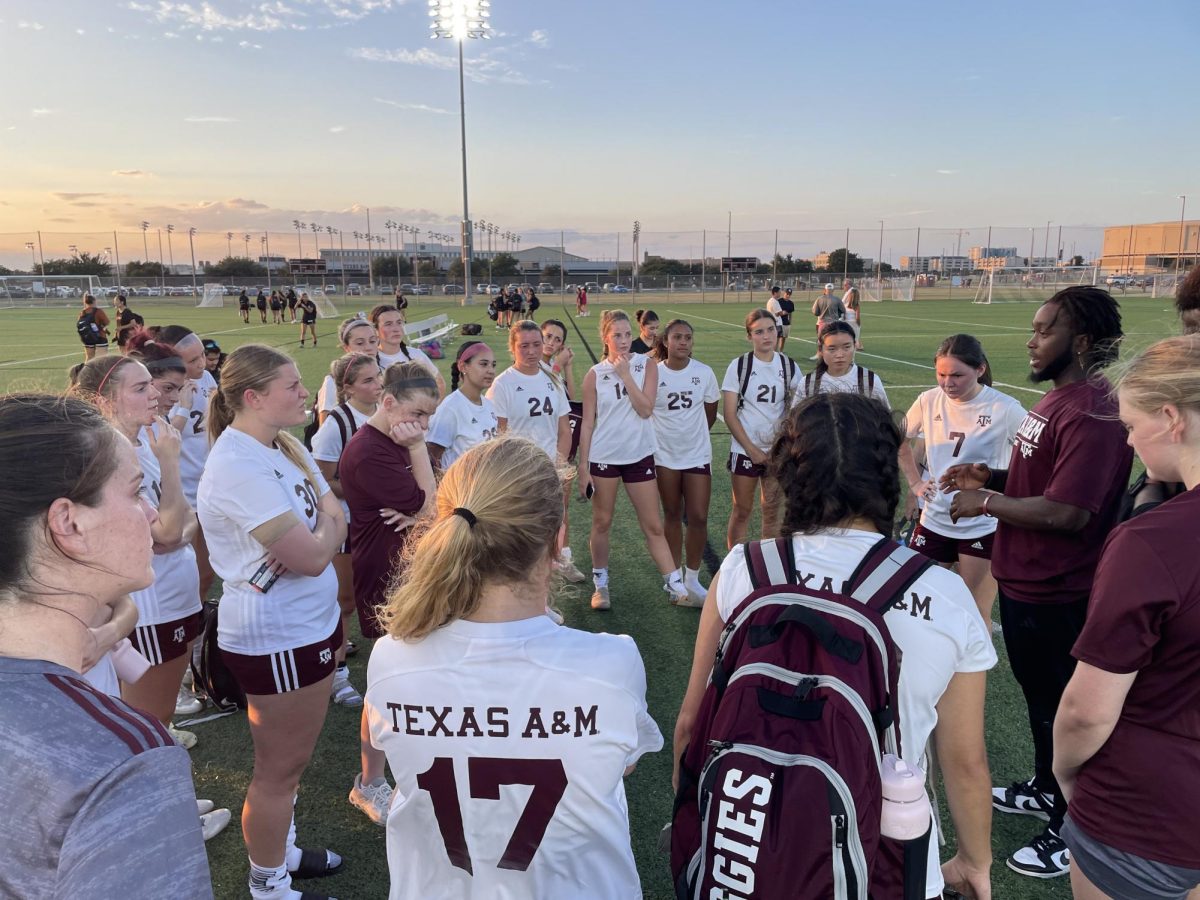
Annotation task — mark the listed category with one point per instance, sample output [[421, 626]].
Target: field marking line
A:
[[879, 315], [22, 362]]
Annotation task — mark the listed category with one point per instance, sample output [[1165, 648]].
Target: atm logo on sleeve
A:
[[1029, 435]]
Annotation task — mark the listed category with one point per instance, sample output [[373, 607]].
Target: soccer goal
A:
[[325, 307], [870, 290], [983, 290], [213, 296], [902, 288], [50, 290], [1164, 286]]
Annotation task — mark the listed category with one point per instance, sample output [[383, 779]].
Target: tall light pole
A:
[[879, 261], [298, 225], [29, 245], [145, 226], [637, 234], [1046, 243], [170, 249], [229, 245], [460, 20], [162, 270], [246, 239], [1179, 252], [192, 247], [265, 241]]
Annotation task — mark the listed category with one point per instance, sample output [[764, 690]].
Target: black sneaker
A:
[[1023, 799], [1046, 856]]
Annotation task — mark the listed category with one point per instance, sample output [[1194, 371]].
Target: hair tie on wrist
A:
[[466, 514]]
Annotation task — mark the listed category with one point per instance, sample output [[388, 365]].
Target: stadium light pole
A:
[[145, 246], [879, 261], [229, 244], [170, 249], [29, 245], [265, 240], [461, 20], [246, 239], [192, 247], [74, 250], [342, 252], [1179, 252]]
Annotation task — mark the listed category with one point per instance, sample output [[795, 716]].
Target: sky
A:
[[584, 116]]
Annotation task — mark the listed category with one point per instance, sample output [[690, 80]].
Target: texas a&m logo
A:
[[178, 635], [984, 421], [325, 656], [1029, 435]]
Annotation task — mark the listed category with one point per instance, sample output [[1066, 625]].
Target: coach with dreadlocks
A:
[[1055, 505]]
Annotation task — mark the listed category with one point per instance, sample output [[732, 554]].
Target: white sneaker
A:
[[204, 806], [566, 568], [342, 691], [688, 600], [185, 739], [600, 598], [698, 593], [213, 823], [676, 596], [374, 801], [187, 703]]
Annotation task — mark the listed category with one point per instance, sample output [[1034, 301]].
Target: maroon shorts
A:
[[166, 641], [705, 469], [740, 464], [948, 550], [630, 473], [287, 670]]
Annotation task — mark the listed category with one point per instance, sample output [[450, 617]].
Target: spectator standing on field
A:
[[828, 309], [401, 300], [853, 303], [92, 327], [127, 322], [1054, 506]]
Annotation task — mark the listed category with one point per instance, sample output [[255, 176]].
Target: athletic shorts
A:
[[785, 330], [705, 469], [287, 670], [168, 640], [946, 549], [630, 473], [308, 320], [740, 464], [1121, 874]]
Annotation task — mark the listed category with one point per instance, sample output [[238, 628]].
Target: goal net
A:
[[325, 307], [870, 291], [1164, 286], [983, 291], [213, 296], [902, 288], [51, 290]]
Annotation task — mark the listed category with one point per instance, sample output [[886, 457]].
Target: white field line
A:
[[25, 362]]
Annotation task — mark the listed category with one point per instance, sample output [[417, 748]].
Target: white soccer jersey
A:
[[620, 435], [246, 485], [509, 757], [766, 401], [680, 425], [978, 431], [327, 445], [415, 354], [458, 425], [532, 404], [936, 626], [845, 384], [194, 450], [175, 592]]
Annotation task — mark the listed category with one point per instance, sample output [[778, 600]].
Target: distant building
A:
[[1152, 247], [940, 265]]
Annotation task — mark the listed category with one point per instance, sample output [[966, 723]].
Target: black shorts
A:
[[947, 549], [308, 320], [166, 641], [244, 304], [287, 670], [630, 473], [740, 464]]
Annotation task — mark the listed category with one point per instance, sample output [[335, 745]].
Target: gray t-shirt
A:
[[97, 798], [828, 308]]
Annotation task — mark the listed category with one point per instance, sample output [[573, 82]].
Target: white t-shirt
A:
[[620, 435], [981, 430], [766, 400], [680, 423], [470, 716], [846, 384], [776, 310], [175, 593], [532, 404], [415, 354], [245, 485], [327, 443], [103, 676], [194, 449], [938, 637], [458, 425]]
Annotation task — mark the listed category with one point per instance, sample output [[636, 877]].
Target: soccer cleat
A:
[[341, 691], [600, 598], [351, 649], [1046, 856], [567, 570], [697, 593], [213, 823], [1023, 799], [375, 801], [185, 739], [204, 806], [187, 703]]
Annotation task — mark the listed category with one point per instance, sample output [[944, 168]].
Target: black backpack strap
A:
[[860, 379], [808, 384], [770, 562], [745, 368], [885, 573], [870, 382]]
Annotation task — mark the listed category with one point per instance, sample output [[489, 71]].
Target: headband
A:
[[179, 344], [466, 514], [411, 384], [116, 365], [473, 350], [349, 325]]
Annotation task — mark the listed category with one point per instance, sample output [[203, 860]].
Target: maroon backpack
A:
[[780, 794]]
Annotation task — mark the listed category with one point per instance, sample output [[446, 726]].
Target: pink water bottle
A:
[[130, 664], [906, 811]]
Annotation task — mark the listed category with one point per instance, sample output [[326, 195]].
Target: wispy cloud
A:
[[80, 31], [132, 173], [948, 171], [337, 129], [31, 26], [215, 119], [540, 38], [480, 69], [259, 15], [40, 112], [247, 45], [78, 198], [416, 107]]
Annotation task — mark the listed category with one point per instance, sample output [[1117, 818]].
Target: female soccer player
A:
[[466, 633], [466, 417], [244, 306], [963, 419], [647, 323], [290, 296], [756, 393], [76, 543], [273, 527], [389, 325], [616, 443], [358, 383], [308, 318], [386, 475], [276, 308], [685, 408], [853, 303], [356, 335], [260, 301], [581, 299], [1126, 725], [836, 369], [837, 508], [557, 355]]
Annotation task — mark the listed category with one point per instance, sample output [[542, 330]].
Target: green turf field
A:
[[36, 347]]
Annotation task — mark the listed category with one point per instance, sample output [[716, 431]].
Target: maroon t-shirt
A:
[[1141, 792], [1070, 449], [376, 472]]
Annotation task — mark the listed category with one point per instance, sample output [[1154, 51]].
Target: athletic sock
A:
[[270, 883], [692, 579], [600, 577]]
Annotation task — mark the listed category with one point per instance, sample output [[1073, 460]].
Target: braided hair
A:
[[835, 459], [1095, 314]]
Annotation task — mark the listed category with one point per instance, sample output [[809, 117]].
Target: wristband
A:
[[985, 503]]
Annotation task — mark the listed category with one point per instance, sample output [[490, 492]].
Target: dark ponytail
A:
[[827, 330], [968, 351], [455, 374]]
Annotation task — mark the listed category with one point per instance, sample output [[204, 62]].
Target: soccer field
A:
[[37, 346]]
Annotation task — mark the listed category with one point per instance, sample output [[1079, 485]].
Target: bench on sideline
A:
[[435, 328]]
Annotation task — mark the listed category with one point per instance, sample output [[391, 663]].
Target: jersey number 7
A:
[[485, 775]]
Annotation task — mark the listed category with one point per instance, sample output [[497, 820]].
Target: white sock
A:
[[600, 577], [674, 583], [269, 883], [692, 578]]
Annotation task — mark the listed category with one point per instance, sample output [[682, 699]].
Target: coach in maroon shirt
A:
[[1060, 497]]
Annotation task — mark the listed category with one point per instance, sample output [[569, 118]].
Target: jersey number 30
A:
[[486, 775]]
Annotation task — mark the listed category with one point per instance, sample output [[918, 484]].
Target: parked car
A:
[[619, 289], [353, 289], [451, 289], [422, 290], [592, 287], [545, 287], [483, 288]]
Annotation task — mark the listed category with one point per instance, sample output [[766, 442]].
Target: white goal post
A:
[[325, 307], [213, 296], [51, 290]]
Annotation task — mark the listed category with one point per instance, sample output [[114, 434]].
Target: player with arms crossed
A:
[[509, 756], [963, 419]]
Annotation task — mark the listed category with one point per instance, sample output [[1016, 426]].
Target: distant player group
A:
[[436, 516]]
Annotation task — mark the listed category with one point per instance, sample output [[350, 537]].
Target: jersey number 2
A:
[[485, 775]]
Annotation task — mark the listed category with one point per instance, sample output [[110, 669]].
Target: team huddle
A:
[[836, 672]]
